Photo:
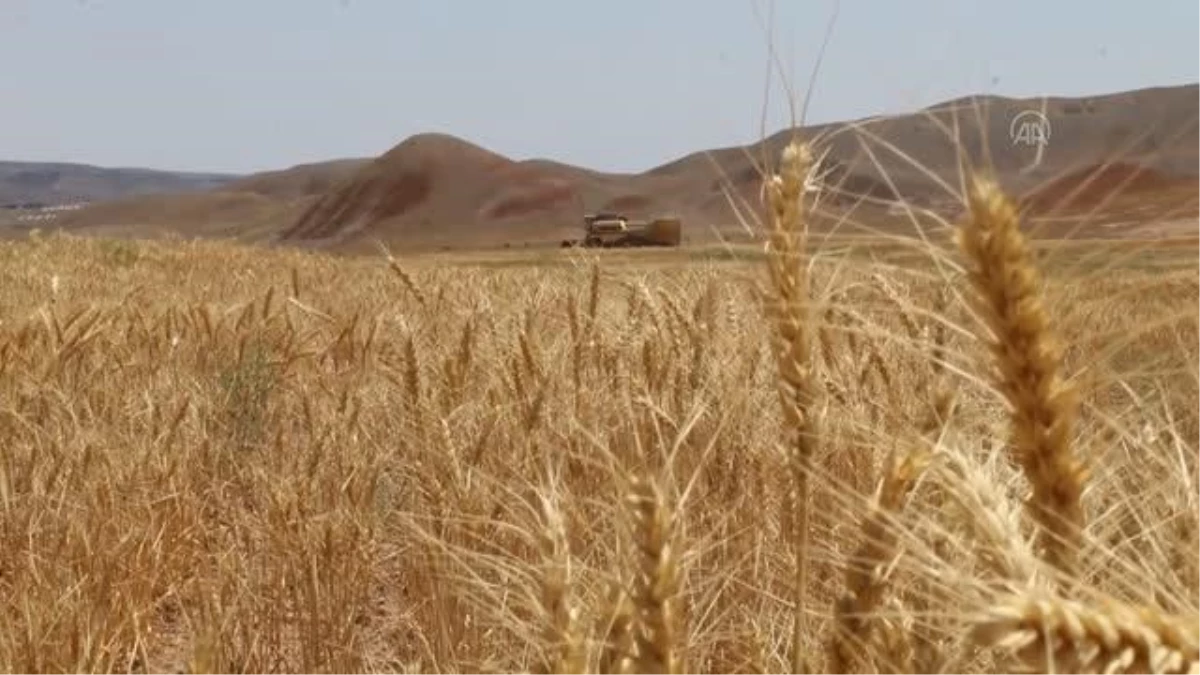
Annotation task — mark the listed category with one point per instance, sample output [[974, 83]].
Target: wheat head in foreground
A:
[[1027, 358], [1056, 635], [789, 311]]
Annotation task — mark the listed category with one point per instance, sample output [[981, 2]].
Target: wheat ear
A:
[[868, 571], [792, 343], [656, 583], [1027, 358], [564, 648], [1056, 635]]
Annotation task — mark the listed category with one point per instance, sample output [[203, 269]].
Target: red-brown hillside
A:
[[435, 189], [1098, 186], [302, 180]]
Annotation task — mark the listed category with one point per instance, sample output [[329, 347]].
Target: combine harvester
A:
[[612, 230]]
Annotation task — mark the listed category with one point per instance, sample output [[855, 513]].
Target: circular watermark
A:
[[1030, 128]]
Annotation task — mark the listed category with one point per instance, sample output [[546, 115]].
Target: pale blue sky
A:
[[246, 85]]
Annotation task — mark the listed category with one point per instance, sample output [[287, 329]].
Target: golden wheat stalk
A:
[[657, 643], [789, 311], [562, 640], [1027, 358], [867, 574], [1057, 635], [618, 649]]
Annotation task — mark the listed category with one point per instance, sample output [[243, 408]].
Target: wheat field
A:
[[980, 459]]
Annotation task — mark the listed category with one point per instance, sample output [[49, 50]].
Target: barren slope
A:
[[252, 208], [302, 180], [244, 215]]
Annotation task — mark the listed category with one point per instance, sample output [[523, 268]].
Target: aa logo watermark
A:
[[1030, 128]]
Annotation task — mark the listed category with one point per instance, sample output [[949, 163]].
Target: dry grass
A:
[[222, 458]]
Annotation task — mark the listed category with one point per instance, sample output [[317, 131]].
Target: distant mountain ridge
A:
[[439, 190], [48, 183]]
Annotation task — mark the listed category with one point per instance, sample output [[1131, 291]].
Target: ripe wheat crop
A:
[[222, 458]]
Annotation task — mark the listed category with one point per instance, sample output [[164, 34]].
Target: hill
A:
[[436, 190]]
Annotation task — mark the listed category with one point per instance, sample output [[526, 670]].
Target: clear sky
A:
[[624, 85]]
